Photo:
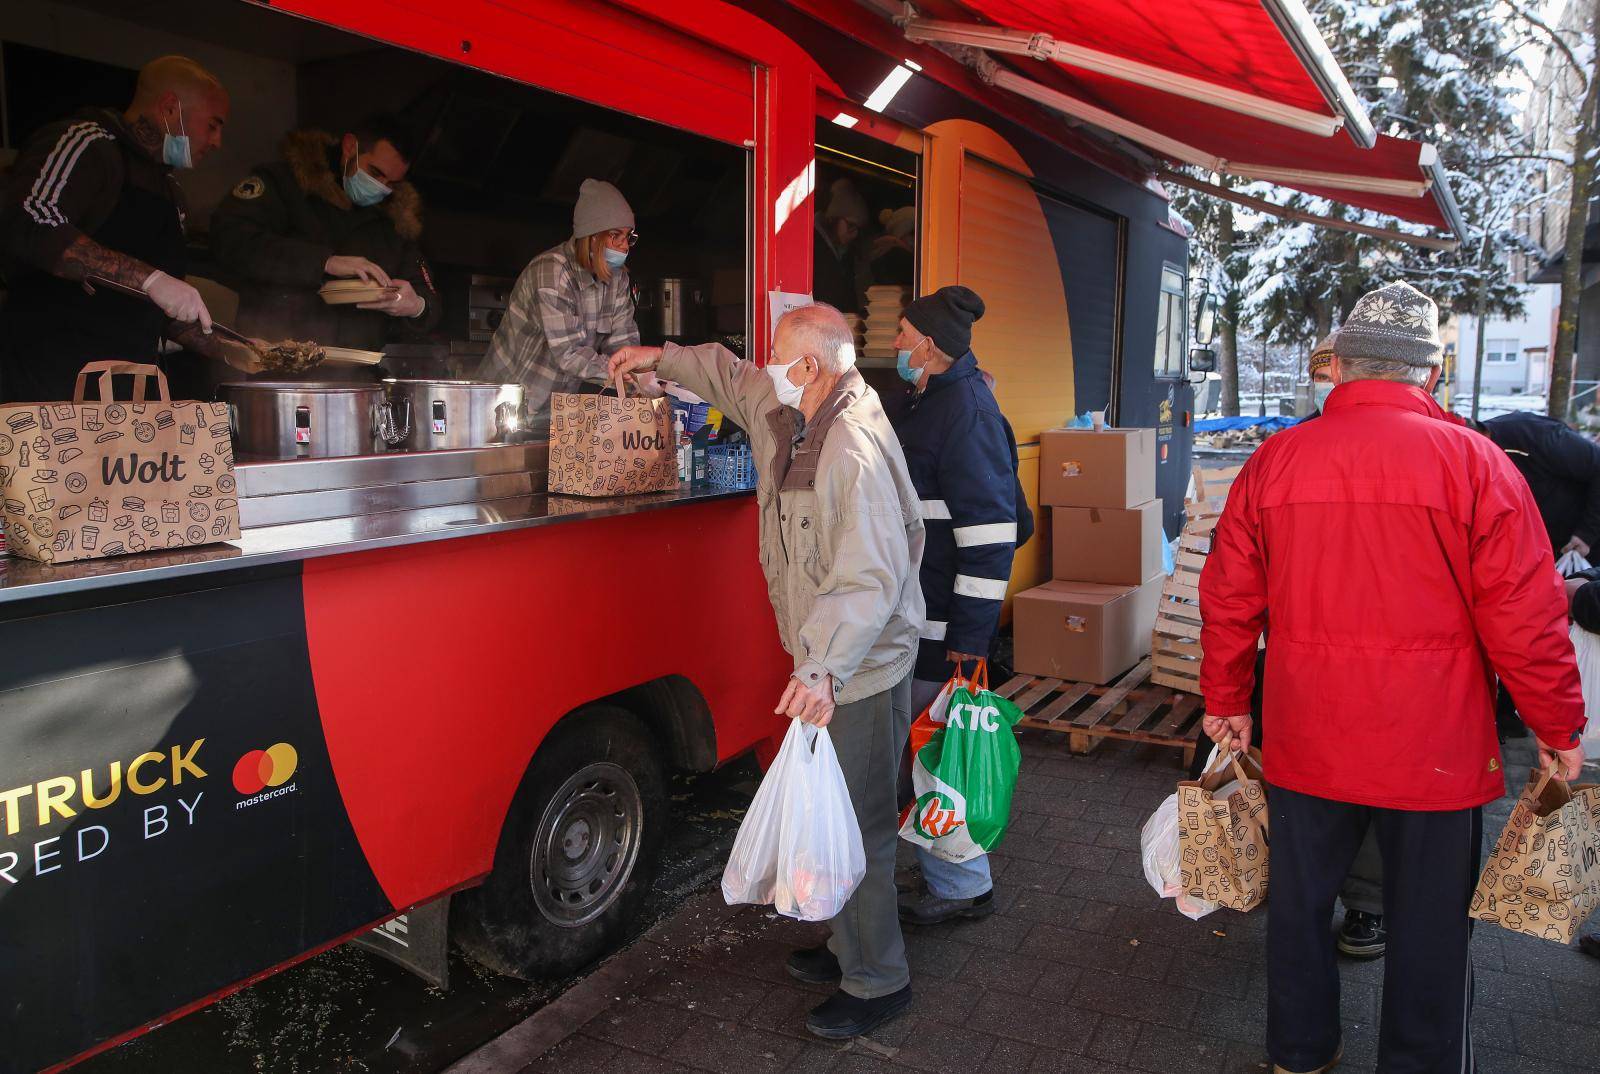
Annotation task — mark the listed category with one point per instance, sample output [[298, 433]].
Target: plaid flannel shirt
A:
[[560, 326]]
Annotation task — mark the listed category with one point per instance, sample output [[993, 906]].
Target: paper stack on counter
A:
[[884, 306]]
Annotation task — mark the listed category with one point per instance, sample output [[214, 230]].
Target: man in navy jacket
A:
[[963, 461]]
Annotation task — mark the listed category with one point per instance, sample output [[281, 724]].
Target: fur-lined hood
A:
[[306, 153]]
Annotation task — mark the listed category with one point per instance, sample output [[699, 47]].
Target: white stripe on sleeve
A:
[[46, 192], [983, 588], [993, 533], [934, 630], [935, 509]]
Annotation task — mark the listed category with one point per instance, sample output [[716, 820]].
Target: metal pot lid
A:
[[294, 386]]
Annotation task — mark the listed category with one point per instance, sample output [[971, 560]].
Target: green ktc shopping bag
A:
[[964, 775]]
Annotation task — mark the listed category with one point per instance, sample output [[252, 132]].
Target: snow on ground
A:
[[1492, 406]]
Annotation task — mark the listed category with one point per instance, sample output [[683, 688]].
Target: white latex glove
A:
[[348, 267], [405, 302], [177, 299]]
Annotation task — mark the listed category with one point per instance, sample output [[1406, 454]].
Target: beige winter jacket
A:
[[841, 525]]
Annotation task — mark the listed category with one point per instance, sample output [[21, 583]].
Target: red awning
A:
[[1241, 86]]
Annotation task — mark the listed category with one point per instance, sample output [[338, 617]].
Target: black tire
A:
[[596, 781]]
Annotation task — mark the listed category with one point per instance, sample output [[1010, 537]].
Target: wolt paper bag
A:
[[91, 478], [1543, 876], [1222, 839], [602, 445]]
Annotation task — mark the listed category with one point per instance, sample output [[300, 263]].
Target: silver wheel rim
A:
[[586, 844]]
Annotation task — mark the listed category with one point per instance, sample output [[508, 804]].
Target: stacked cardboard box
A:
[[1093, 622]]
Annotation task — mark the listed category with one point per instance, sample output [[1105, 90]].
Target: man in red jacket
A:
[[1432, 574]]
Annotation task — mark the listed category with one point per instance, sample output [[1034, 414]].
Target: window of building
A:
[[1500, 351], [1171, 322]]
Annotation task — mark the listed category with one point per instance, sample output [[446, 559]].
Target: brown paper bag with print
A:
[[92, 478], [1543, 876], [1222, 842], [603, 445]]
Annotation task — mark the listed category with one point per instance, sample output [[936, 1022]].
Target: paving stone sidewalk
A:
[[1082, 969]]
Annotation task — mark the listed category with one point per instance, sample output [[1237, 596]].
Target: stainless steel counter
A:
[[275, 544]]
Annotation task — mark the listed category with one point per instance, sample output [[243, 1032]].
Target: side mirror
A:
[[1205, 322], [1202, 360]]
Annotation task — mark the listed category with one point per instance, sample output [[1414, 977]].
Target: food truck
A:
[[420, 686]]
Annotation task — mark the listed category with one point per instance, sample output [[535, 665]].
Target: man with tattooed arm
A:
[[95, 195]]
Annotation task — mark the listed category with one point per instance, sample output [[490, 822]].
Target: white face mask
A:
[[1320, 390], [789, 393]]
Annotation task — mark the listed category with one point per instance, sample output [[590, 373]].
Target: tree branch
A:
[[1555, 39]]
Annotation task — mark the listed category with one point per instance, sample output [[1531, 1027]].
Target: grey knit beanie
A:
[[601, 207], [1396, 322]]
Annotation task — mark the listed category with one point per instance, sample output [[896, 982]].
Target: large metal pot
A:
[[456, 413], [310, 420]]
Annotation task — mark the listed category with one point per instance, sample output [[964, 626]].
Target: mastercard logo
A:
[[260, 769]]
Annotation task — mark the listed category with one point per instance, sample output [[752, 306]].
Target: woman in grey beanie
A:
[[570, 309]]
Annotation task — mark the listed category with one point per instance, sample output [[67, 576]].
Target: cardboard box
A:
[[1083, 468], [1084, 631], [1110, 545]]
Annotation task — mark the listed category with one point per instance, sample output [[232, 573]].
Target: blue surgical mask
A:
[[615, 258], [363, 189], [175, 147], [1320, 390], [902, 364]]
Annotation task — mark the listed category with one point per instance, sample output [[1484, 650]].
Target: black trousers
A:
[[1430, 866]]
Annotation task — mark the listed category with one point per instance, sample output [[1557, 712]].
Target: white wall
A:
[[262, 90], [1533, 329]]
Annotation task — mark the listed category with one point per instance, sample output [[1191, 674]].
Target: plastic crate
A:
[[730, 466]]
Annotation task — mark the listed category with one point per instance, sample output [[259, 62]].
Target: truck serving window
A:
[[1171, 322]]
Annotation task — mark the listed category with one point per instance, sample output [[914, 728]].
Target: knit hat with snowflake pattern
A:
[[1396, 322]]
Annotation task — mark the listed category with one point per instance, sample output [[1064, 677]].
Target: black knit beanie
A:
[[947, 316]]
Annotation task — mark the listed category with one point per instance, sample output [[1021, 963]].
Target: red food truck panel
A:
[[439, 669]]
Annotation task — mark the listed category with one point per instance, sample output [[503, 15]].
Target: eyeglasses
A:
[[629, 236]]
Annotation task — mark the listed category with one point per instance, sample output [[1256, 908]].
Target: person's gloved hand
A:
[[346, 268], [405, 302], [177, 299]]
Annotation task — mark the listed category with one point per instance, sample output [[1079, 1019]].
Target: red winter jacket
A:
[[1402, 563]]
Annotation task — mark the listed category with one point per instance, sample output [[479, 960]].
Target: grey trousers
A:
[[868, 735], [1363, 886]]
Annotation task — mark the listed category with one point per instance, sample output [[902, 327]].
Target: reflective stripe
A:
[[935, 509], [985, 588], [933, 631], [993, 533]]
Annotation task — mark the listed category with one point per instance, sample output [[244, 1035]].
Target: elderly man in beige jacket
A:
[[841, 544]]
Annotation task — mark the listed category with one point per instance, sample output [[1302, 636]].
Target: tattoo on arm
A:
[[188, 335], [85, 257]]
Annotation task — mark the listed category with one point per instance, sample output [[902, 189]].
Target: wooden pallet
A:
[[1175, 642], [1133, 708]]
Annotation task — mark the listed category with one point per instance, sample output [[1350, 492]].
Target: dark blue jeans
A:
[[1430, 866]]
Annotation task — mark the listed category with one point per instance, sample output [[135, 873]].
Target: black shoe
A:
[[929, 909], [814, 965], [1363, 935], [843, 1016]]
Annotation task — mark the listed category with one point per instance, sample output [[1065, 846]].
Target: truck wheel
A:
[[577, 853]]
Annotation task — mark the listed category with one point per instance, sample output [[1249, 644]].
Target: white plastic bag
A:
[[799, 846], [1571, 563], [1587, 646], [1158, 848]]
